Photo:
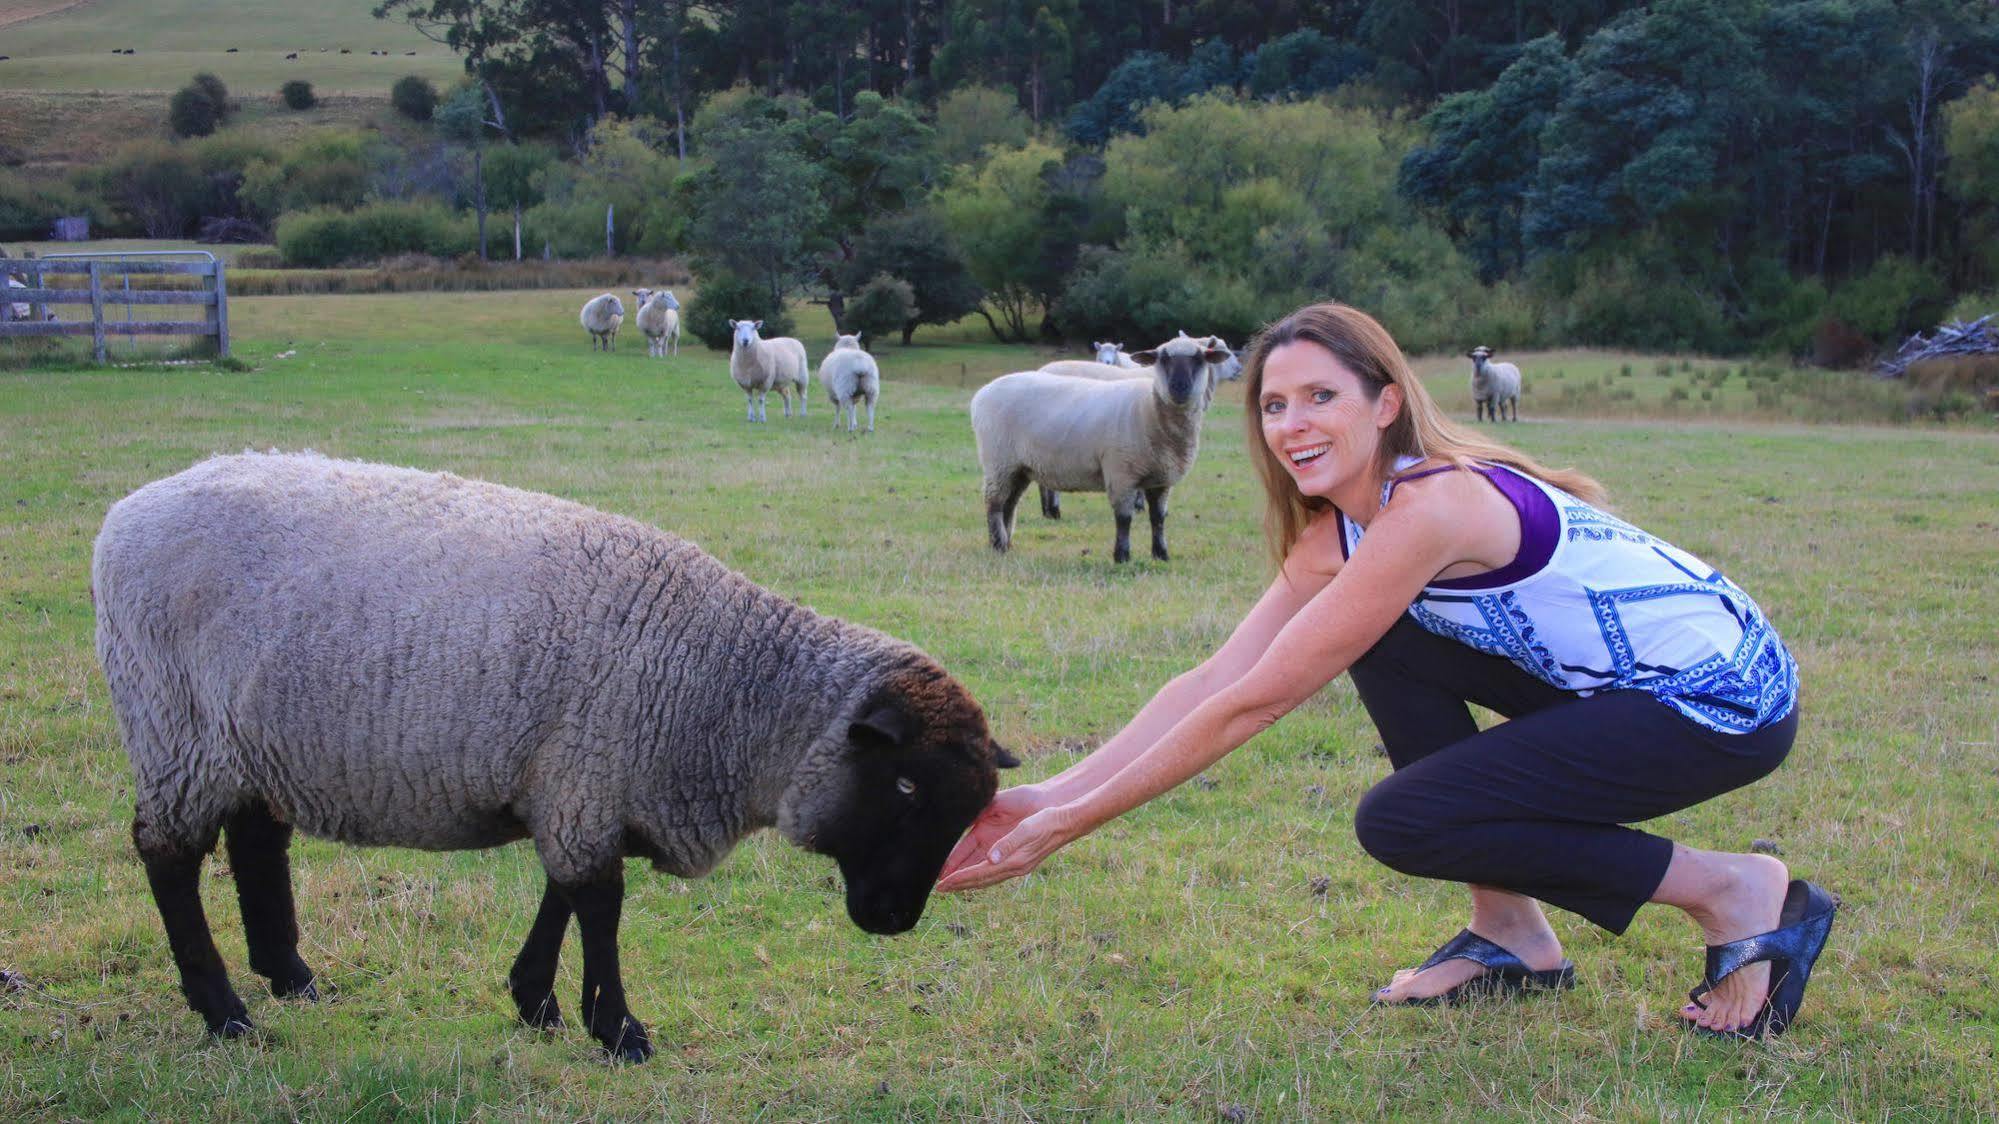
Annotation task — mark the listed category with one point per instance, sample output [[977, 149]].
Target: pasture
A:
[[1208, 957]]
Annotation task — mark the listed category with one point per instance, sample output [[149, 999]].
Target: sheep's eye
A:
[[905, 786]]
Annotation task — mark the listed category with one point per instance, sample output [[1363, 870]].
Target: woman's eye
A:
[[1274, 406], [1322, 396], [905, 786]]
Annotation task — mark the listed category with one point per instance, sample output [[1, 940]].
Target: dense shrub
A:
[[1145, 296], [28, 207], [217, 93], [414, 97], [297, 94], [192, 113], [722, 297], [1892, 298], [325, 237], [625, 169], [324, 168], [155, 188], [880, 308]]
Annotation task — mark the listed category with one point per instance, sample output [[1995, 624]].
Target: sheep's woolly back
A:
[[1078, 435], [389, 656], [847, 372], [602, 313], [1101, 372]]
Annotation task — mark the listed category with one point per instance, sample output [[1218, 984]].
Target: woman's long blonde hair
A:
[[1364, 347]]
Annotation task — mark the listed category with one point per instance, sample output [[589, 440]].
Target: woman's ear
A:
[[1388, 406]]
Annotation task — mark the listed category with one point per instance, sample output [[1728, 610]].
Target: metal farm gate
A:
[[143, 283]]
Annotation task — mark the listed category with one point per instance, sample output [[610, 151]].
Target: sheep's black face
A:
[[1180, 368], [921, 765]]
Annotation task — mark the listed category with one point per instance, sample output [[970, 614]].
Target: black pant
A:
[[1534, 804]]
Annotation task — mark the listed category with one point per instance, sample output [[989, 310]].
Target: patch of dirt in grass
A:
[[21, 11]]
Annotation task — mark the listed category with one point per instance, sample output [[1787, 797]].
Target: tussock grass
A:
[[1209, 955]]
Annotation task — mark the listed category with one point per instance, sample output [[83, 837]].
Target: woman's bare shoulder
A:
[[1319, 549]]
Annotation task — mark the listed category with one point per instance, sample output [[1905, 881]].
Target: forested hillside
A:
[[1815, 177]]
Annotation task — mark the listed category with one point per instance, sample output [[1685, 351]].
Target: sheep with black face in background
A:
[[602, 316], [659, 320], [851, 376], [390, 657], [1123, 438], [761, 365], [1493, 385]]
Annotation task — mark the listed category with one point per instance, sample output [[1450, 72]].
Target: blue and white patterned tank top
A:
[[1592, 603]]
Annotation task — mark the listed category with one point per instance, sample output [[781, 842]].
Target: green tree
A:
[[297, 94], [971, 119], [917, 248], [218, 94], [414, 97], [512, 175], [462, 120], [996, 215], [760, 207], [881, 307], [1971, 138]]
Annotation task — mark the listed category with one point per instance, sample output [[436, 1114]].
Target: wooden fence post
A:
[[97, 311], [37, 311], [221, 285]]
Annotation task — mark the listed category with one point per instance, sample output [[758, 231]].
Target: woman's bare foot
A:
[[1512, 922], [1730, 897]]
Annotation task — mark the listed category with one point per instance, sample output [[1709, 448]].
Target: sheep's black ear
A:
[[1003, 758], [1145, 358], [882, 727]]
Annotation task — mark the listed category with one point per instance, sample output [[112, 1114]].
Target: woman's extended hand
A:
[[994, 824], [979, 862]]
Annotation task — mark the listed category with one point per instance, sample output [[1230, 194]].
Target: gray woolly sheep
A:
[[602, 315], [851, 377], [761, 365], [384, 656], [1493, 385], [1122, 438], [659, 319]]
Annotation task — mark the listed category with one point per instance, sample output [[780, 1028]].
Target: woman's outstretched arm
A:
[[1311, 564], [1406, 547]]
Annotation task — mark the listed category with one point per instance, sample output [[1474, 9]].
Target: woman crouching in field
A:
[[1439, 568]]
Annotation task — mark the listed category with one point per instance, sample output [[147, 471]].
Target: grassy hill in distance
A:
[[53, 47]]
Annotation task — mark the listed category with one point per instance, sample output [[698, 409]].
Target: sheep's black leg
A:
[[175, 880], [258, 853], [1000, 505], [597, 905], [1155, 503], [531, 981], [1122, 505], [1051, 502]]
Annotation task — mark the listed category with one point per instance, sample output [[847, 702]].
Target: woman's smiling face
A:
[[1318, 419]]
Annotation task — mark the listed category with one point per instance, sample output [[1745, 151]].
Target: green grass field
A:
[[1209, 957]]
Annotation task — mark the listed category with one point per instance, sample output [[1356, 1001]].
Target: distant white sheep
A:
[[1123, 438], [1493, 385], [850, 377], [1113, 355], [761, 365], [659, 319], [602, 316]]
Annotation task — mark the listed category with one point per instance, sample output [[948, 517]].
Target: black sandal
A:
[[1505, 973], [1792, 949]]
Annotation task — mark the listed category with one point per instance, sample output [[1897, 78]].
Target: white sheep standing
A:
[[1493, 385], [1112, 355], [762, 365], [602, 316], [388, 657], [1123, 438], [659, 319], [850, 376]]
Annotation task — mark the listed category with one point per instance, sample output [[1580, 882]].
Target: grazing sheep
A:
[[602, 316], [389, 657], [1493, 385], [1112, 355], [1123, 438], [293, 56], [659, 319], [762, 365], [850, 377]]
